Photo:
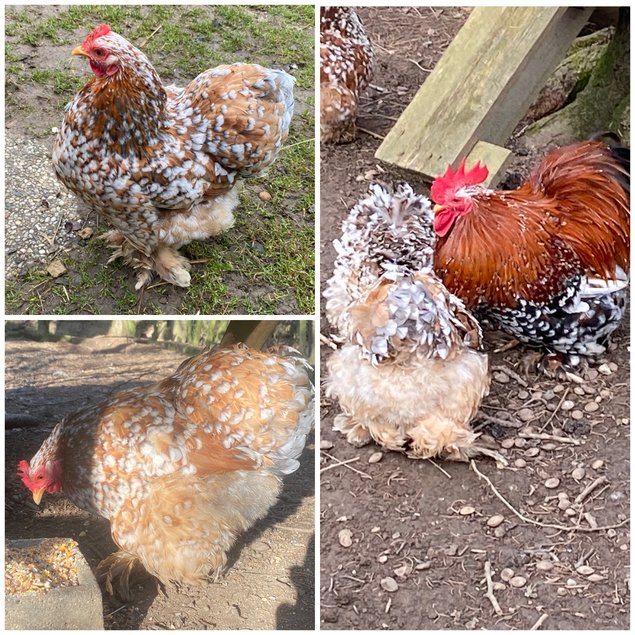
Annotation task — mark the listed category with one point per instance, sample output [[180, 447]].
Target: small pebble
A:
[[544, 565], [382, 559], [466, 510], [604, 369], [570, 512], [520, 442], [375, 530], [501, 378], [613, 366], [525, 414], [345, 537], [552, 483], [560, 591], [567, 404], [577, 415], [563, 496], [591, 406], [264, 196], [585, 570], [592, 374], [523, 394], [422, 566], [495, 521], [549, 395], [507, 443], [558, 388], [507, 574], [498, 586], [611, 533], [596, 577], [403, 570], [571, 582], [499, 532], [579, 473], [520, 463], [578, 390], [518, 581], [375, 457], [530, 452], [389, 584], [564, 504], [325, 445], [548, 446]]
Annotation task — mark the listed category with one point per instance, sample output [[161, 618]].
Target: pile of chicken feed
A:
[[49, 564]]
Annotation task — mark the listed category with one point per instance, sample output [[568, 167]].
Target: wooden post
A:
[[481, 88]]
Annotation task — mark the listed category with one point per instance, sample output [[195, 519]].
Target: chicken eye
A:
[[39, 477], [99, 52]]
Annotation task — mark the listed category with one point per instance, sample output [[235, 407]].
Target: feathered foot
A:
[[116, 570], [356, 433], [171, 266], [166, 261]]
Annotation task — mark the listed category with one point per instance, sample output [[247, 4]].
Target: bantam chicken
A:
[[409, 374], [548, 261], [162, 164], [182, 466], [346, 64]]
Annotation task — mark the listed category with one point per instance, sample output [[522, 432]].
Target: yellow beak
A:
[[437, 208], [37, 495], [78, 50]]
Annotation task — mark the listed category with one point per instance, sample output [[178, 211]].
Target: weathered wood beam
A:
[[482, 86]]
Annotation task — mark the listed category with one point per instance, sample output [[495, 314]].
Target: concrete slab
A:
[[62, 608]]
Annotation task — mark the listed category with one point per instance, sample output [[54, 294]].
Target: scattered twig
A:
[[439, 468], [344, 464], [511, 373], [543, 436], [589, 488], [508, 346], [584, 558], [371, 133], [490, 588], [144, 41], [555, 412], [531, 521], [421, 68], [539, 622]]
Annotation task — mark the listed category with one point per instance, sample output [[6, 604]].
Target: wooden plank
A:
[[494, 157], [482, 86]]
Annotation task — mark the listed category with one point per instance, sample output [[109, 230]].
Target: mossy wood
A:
[[481, 88]]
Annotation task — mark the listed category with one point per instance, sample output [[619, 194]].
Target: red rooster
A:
[[181, 467], [161, 163], [548, 261]]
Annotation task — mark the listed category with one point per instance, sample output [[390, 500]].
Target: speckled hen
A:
[[161, 164], [181, 467], [346, 65], [409, 374]]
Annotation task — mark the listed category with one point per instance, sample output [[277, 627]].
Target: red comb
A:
[[444, 187], [23, 471], [98, 31]]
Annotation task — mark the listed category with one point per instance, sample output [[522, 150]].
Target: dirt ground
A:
[[269, 583], [419, 540]]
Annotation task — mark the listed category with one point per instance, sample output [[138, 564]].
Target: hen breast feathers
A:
[[346, 62], [181, 467], [409, 374], [161, 164]]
